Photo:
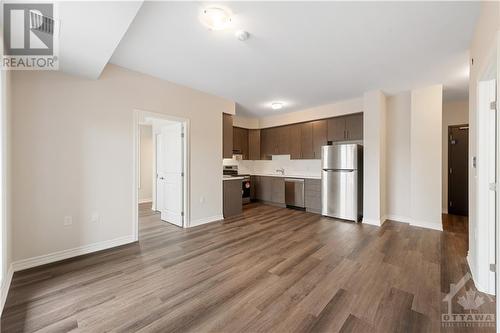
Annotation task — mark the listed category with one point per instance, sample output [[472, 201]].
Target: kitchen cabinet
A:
[[354, 127], [295, 141], [283, 140], [319, 137], [312, 189], [265, 151], [254, 144], [278, 190], [227, 135], [240, 142], [232, 200], [263, 188], [346, 128], [336, 129], [306, 141]]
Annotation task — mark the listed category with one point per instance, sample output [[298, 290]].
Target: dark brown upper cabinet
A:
[[240, 142], [354, 126], [254, 144], [295, 141], [336, 129], [319, 136], [265, 149], [227, 135], [284, 140], [345, 128], [306, 141]]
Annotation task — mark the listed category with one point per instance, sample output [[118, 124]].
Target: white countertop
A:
[[287, 176], [231, 178]]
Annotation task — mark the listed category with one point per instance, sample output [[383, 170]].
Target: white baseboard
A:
[[398, 218], [148, 200], [205, 220], [445, 210], [66, 254], [372, 222], [5, 287], [426, 224]]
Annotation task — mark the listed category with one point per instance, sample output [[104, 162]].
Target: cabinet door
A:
[[336, 129], [354, 126], [244, 143], [254, 144], [265, 188], [306, 141], [232, 201], [227, 135], [295, 142], [273, 136], [283, 140], [236, 140], [265, 151], [319, 137], [278, 190]]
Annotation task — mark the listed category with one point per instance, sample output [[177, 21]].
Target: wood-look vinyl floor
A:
[[268, 270]]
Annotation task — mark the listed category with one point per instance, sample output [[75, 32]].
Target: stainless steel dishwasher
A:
[[294, 193]]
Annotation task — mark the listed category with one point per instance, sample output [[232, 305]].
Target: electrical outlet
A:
[[95, 218], [68, 220]]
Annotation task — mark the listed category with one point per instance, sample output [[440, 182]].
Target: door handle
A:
[[161, 178]]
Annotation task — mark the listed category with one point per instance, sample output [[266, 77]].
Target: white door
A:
[[169, 173]]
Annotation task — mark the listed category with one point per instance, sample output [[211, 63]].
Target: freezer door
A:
[[339, 194], [343, 156]]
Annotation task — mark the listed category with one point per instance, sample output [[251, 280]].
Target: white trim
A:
[[427, 224], [5, 287], [147, 200], [399, 218], [372, 222], [66, 254], [206, 220], [476, 280], [445, 211], [138, 116]]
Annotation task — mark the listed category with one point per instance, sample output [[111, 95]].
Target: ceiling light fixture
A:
[[242, 35], [215, 18], [276, 106]]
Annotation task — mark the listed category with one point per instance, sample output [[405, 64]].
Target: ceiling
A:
[[303, 54]]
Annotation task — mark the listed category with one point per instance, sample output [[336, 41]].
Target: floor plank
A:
[[268, 270]]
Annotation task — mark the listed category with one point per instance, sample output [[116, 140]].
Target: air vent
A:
[[41, 23]]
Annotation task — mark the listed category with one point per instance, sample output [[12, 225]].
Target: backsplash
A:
[[292, 167]]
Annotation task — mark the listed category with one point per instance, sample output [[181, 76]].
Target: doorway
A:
[[168, 170], [458, 156]]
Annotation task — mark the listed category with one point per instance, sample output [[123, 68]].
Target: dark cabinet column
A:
[[319, 137], [227, 135], [254, 144], [295, 141], [354, 126], [306, 141]]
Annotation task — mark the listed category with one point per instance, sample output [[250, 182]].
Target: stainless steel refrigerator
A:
[[342, 181]]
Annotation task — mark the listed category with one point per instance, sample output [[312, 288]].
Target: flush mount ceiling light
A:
[[215, 18], [276, 105], [242, 35]]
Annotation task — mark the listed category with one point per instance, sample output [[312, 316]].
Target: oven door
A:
[[245, 190]]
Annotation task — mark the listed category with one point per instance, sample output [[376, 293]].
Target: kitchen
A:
[[282, 165]]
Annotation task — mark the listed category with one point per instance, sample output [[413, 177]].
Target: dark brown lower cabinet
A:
[[278, 190], [232, 200], [269, 189], [312, 189]]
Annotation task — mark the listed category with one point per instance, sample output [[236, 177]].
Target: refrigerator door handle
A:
[[338, 170]]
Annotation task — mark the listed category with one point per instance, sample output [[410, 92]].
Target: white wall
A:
[[454, 113], [265, 167], [426, 155], [374, 137], [483, 46], [146, 163], [73, 150], [398, 157]]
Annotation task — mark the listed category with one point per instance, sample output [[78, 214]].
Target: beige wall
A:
[[454, 113], [398, 157], [73, 150], [146, 163], [426, 154]]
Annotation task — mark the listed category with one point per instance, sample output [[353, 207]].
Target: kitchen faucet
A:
[[282, 171]]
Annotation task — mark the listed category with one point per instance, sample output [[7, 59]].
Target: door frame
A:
[[139, 117], [449, 159]]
